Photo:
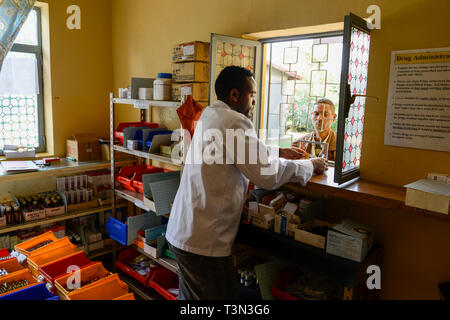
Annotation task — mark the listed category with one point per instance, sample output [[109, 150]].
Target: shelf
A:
[[136, 198], [146, 155], [64, 167], [166, 262], [139, 289], [335, 268], [64, 217], [145, 104]]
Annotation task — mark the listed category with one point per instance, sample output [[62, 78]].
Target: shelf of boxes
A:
[[166, 262], [146, 155], [145, 104]]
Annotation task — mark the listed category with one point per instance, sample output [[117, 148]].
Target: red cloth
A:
[[189, 113]]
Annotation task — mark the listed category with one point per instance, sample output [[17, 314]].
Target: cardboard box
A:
[[264, 221], [198, 90], [303, 234], [191, 51], [190, 72], [350, 240], [84, 147], [433, 195]]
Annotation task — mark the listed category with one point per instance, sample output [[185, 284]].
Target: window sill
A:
[[364, 191]]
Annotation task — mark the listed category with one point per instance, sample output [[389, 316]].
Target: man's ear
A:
[[234, 95], [334, 117]]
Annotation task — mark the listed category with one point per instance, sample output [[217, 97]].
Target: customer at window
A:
[[207, 209], [322, 116]]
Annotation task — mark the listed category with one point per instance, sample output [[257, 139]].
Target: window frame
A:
[[37, 51]]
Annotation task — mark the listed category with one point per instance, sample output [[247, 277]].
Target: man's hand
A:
[[293, 154], [320, 165]]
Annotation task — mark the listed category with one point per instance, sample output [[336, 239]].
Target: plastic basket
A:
[[16, 277], [118, 134], [129, 296], [34, 292], [139, 186], [162, 280], [127, 175], [4, 253], [11, 265], [24, 247], [284, 278], [55, 269], [88, 273], [124, 259], [148, 142], [105, 289]]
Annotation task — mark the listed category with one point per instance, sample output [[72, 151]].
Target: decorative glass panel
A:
[[320, 53], [318, 80], [357, 78], [18, 120], [290, 55]]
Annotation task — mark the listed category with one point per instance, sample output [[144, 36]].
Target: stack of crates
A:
[[190, 71]]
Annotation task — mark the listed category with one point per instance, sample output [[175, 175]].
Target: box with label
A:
[[198, 90], [84, 147], [350, 240], [313, 233], [190, 72], [191, 51]]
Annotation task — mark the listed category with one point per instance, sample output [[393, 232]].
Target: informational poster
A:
[[418, 109]]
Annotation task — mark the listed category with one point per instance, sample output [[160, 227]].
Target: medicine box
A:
[[191, 51], [190, 72], [350, 240], [304, 234], [198, 90]]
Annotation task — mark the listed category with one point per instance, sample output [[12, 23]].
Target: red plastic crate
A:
[[118, 134], [137, 183], [4, 253], [55, 269], [284, 277], [162, 280], [127, 175], [124, 258]]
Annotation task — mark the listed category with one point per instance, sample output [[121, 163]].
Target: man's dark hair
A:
[[231, 78]]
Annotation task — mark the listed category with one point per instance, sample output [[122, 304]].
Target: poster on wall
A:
[[418, 109]]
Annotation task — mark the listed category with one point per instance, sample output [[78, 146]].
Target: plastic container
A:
[[162, 87], [127, 175], [124, 258], [148, 142], [125, 231], [284, 278], [162, 280], [25, 247], [34, 292], [4, 254], [139, 186], [21, 275], [88, 273], [107, 289], [11, 265], [129, 296], [118, 134], [55, 269]]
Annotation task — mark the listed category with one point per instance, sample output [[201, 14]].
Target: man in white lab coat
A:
[[225, 153]]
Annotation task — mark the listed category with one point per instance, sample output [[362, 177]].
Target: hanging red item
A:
[[189, 113]]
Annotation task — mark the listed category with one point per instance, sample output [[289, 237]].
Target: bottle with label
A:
[[9, 215]]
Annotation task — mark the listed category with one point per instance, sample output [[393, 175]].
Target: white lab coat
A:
[[207, 209]]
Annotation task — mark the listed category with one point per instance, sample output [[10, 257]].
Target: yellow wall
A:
[[81, 71], [144, 32]]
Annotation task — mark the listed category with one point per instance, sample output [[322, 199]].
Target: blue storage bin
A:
[[142, 134], [117, 230], [148, 143], [153, 233], [125, 231], [37, 292]]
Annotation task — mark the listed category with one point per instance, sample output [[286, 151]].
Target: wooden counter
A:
[[371, 193]]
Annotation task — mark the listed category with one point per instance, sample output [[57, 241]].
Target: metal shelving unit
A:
[[136, 198]]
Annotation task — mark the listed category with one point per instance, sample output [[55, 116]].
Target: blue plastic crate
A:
[[149, 141], [117, 230], [37, 292]]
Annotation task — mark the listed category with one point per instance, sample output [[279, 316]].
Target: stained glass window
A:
[[231, 54], [357, 79]]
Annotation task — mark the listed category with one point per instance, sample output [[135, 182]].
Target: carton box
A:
[[190, 72], [84, 147], [350, 240], [198, 90], [288, 227], [191, 51], [304, 234]]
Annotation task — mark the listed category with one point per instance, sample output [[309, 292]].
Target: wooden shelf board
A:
[[146, 155]]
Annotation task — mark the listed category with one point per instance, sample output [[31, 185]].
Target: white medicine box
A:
[[350, 240]]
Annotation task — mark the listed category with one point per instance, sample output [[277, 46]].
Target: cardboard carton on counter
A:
[[84, 147]]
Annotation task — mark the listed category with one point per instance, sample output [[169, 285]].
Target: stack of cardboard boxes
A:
[[190, 71]]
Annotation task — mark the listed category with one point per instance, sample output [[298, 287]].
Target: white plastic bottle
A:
[[162, 87]]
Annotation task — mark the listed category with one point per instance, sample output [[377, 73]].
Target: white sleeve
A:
[[262, 164]]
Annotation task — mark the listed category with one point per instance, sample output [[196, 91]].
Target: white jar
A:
[[162, 87]]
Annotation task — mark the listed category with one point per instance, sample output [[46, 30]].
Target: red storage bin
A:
[[127, 175], [118, 134], [55, 269], [162, 280], [137, 183], [124, 258], [4, 254], [286, 276]]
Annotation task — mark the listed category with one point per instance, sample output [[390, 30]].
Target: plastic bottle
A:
[[162, 87]]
